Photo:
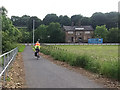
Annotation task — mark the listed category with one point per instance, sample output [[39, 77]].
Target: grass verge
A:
[[21, 47]]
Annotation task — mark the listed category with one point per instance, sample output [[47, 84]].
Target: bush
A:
[[93, 65], [82, 61]]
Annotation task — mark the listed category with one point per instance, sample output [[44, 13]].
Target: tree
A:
[[15, 20], [4, 10], [119, 20], [111, 19], [64, 20], [113, 35], [25, 38], [108, 19], [38, 22], [10, 34], [41, 33], [101, 32], [76, 19], [98, 19], [26, 21], [55, 32], [85, 21], [50, 18], [50, 33]]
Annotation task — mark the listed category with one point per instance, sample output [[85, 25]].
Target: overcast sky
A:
[[40, 8]]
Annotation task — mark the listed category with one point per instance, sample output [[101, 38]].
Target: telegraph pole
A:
[[1, 11], [33, 30]]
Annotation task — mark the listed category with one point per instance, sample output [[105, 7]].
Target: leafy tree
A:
[[119, 20], [20, 21], [101, 32], [108, 19], [41, 33], [38, 22], [16, 20], [76, 19], [10, 34], [55, 32], [85, 21], [113, 35], [4, 10], [50, 18], [25, 38], [98, 19], [111, 19], [64, 20], [50, 33]]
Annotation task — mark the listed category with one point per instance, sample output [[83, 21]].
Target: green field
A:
[[99, 52], [102, 59]]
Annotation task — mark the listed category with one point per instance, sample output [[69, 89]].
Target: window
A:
[[87, 32], [79, 28], [70, 32], [78, 33]]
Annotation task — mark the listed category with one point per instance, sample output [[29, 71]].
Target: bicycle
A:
[[37, 54]]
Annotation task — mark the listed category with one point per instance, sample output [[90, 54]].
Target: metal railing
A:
[[29, 44], [5, 61], [80, 44]]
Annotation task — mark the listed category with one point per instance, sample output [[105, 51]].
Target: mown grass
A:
[[99, 59]]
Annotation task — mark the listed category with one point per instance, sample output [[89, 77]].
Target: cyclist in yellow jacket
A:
[[37, 45], [37, 49]]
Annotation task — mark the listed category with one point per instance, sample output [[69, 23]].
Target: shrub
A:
[[82, 61]]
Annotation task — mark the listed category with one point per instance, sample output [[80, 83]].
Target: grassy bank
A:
[[21, 47], [98, 59]]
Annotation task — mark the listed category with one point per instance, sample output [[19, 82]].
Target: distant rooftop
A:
[[77, 28]]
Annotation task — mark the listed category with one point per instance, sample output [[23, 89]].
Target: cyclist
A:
[[37, 48]]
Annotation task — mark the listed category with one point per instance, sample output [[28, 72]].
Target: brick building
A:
[[78, 33]]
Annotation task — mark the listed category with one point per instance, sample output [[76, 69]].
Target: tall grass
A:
[[20, 47], [96, 63]]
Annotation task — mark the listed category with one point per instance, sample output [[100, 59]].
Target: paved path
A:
[[44, 74]]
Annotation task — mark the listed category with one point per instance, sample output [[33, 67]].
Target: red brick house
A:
[[78, 33]]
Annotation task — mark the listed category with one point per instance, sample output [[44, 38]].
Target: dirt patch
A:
[[16, 74], [109, 83]]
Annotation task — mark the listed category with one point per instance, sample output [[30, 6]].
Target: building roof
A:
[[78, 28]]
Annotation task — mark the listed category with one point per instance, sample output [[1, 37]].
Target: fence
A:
[[5, 61], [29, 44], [80, 44]]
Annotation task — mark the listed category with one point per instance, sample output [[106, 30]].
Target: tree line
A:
[[109, 19]]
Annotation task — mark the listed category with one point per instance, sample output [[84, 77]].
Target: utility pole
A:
[[33, 30], [1, 11]]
